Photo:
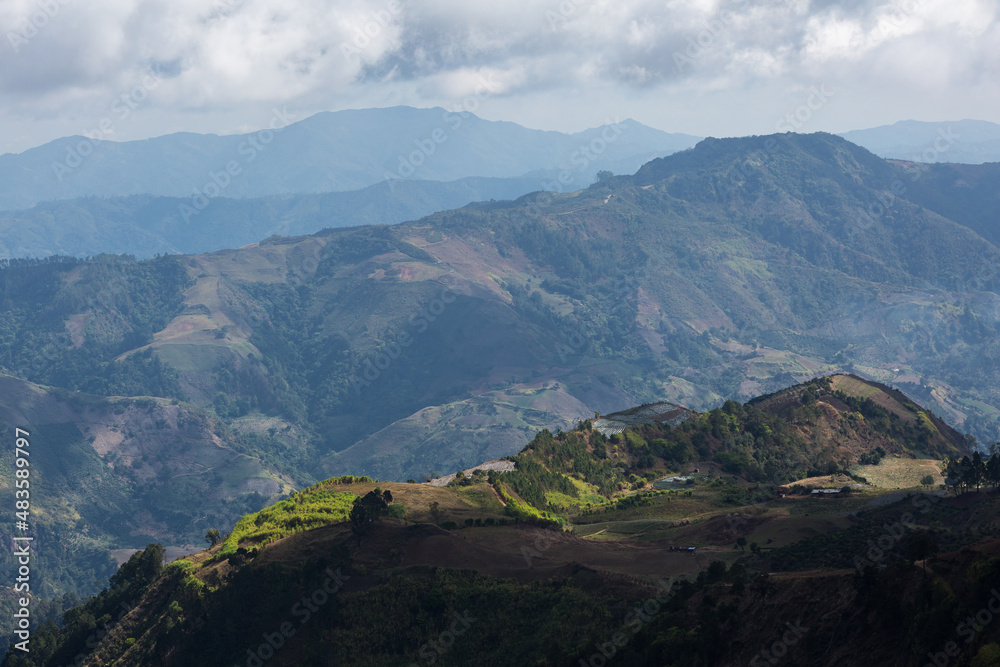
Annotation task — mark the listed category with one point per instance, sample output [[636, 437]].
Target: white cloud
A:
[[225, 61]]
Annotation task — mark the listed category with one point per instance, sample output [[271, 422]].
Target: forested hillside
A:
[[572, 556]]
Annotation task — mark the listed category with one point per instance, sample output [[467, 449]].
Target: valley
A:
[[721, 274], [538, 334]]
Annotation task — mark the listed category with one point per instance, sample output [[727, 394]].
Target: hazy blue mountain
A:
[[327, 152], [146, 225], [725, 271], [962, 141]]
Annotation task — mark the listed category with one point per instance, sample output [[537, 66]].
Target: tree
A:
[[366, 511], [960, 474], [993, 469], [754, 548], [988, 655], [741, 542], [716, 571], [213, 536], [436, 511], [953, 474], [604, 175], [762, 585], [978, 472], [139, 571], [921, 547], [927, 480]]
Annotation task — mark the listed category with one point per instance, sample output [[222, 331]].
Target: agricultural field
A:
[[899, 473]]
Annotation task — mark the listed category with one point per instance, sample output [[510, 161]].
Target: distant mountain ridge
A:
[[327, 152], [146, 225], [962, 141]]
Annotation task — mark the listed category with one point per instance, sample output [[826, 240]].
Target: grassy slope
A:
[[112, 473], [511, 576], [456, 550]]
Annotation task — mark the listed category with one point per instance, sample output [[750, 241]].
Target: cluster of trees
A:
[[83, 626], [874, 457], [744, 440], [126, 302], [367, 509], [531, 480], [966, 473], [543, 464]]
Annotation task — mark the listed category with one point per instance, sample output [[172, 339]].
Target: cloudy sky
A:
[[705, 67]]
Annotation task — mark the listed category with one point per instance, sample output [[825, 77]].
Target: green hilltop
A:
[[547, 563]]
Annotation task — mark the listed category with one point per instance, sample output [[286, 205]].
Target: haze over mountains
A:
[[963, 141], [723, 271], [188, 193], [327, 152], [726, 271], [146, 225], [371, 166]]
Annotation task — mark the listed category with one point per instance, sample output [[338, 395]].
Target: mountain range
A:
[[326, 152], [962, 141], [175, 193], [146, 225], [727, 271], [718, 272]]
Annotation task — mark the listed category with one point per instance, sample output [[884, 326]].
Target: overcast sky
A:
[[704, 67]]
